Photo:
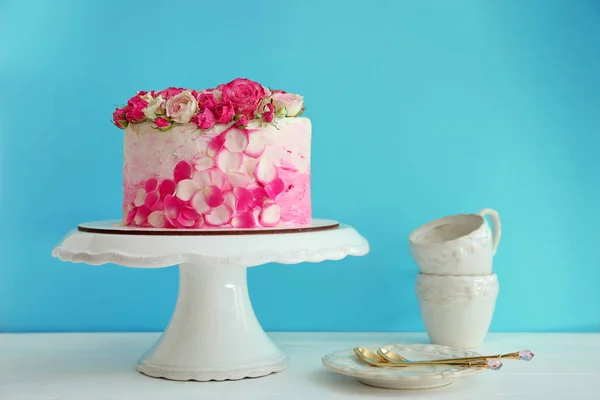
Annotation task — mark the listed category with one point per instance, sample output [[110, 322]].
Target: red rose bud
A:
[[162, 123], [268, 113], [120, 118], [243, 121], [204, 120]]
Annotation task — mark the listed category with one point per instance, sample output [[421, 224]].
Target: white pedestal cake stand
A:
[[213, 333]]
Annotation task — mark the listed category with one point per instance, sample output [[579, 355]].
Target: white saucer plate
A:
[[345, 362]]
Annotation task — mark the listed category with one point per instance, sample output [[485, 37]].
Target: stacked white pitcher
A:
[[456, 287]]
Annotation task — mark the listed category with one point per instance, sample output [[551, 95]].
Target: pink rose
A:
[[244, 94], [170, 92], [120, 118], [268, 112], [162, 123], [204, 120], [291, 103], [182, 107], [224, 112], [207, 100], [135, 106]]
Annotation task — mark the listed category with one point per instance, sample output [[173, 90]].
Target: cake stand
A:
[[213, 333]]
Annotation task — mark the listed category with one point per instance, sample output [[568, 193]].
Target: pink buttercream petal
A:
[[173, 206], [213, 196], [130, 216], [229, 199], [167, 187], [183, 221], [243, 220], [256, 144], [239, 179], [236, 140], [244, 199], [140, 197], [249, 165], [228, 161], [199, 222], [156, 219], [202, 178], [190, 213], [158, 206], [218, 216], [151, 199], [214, 177], [218, 178], [183, 170], [215, 145], [260, 195], [256, 212], [172, 222], [186, 189], [199, 202], [203, 164], [265, 171], [274, 188], [270, 215], [151, 185], [141, 215]]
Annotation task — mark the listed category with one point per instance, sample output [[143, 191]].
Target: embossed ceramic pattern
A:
[[457, 245], [448, 290], [345, 362], [457, 310]]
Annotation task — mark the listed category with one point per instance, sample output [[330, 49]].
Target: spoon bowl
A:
[[368, 356], [390, 356]]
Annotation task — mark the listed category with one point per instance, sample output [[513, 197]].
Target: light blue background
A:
[[420, 109]]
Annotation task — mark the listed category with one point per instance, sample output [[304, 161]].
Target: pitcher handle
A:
[[496, 226]]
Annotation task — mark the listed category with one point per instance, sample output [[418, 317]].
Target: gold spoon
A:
[[367, 356], [392, 356]]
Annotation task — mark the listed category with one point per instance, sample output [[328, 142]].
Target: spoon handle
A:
[[425, 363], [514, 356]]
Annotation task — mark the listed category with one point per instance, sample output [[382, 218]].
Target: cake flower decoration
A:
[[239, 102]]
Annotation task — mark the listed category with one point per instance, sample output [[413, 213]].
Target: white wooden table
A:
[[102, 366]]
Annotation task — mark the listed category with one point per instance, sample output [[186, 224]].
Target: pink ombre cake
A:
[[237, 156]]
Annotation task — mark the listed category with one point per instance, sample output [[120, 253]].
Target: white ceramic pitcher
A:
[[457, 245]]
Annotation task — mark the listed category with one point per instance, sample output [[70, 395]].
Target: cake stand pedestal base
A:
[[213, 333]]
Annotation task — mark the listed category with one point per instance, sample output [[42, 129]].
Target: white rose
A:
[[290, 102], [155, 106], [182, 107]]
